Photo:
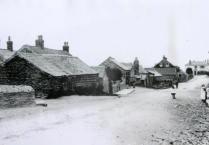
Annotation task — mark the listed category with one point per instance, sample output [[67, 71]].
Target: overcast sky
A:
[[124, 29]]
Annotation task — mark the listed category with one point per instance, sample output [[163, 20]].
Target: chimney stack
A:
[[40, 42], [190, 62], [164, 58], [66, 47], [9, 44]]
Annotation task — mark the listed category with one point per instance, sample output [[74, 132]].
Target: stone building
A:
[[125, 68], [50, 72], [167, 69], [197, 67]]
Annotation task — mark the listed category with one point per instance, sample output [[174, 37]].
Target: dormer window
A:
[[167, 65], [161, 65]]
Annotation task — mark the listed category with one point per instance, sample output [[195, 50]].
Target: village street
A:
[[146, 116]]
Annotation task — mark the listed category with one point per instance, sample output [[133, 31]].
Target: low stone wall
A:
[[16, 98], [117, 86]]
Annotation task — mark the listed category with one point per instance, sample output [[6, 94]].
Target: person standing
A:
[[177, 84], [203, 93], [173, 92]]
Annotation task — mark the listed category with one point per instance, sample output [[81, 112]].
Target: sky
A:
[[123, 29]]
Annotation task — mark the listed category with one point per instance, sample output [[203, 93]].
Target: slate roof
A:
[[100, 70], [128, 65], [153, 71], [5, 54], [124, 66], [56, 65], [164, 63], [39, 50]]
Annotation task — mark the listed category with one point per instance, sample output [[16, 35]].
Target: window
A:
[[167, 65], [202, 66]]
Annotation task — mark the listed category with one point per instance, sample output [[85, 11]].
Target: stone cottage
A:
[[50, 72], [167, 69]]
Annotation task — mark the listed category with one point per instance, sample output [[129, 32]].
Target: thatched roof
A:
[[100, 70], [39, 50], [56, 65], [124, 66], [5, 54], [153, 71]]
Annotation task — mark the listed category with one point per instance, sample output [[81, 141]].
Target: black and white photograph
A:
[[104, 72]]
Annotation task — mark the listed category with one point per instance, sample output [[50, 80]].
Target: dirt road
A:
[[146, 116]]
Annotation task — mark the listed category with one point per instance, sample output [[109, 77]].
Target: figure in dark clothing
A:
[[134, 84], [173, 92]]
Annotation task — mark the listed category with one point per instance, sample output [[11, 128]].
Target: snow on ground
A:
[[146, 116], [124, 92]]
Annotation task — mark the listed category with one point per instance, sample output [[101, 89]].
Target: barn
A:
[[51, 75]]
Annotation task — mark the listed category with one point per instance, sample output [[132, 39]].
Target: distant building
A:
[[50, 72], [197, 67], [138, 74], [152, 78], [165, 68]]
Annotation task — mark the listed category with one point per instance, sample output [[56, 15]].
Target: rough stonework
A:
[[16, 96]]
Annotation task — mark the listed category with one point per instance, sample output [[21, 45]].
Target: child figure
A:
[[173, 92], [203, 93]]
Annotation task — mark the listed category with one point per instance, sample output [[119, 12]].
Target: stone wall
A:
[[16, 99], [117, 86]]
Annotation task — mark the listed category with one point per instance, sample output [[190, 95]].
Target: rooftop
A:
[[100, 70], [153, 71], [5, 54], [39, 50], [197, 63], [124, 66], [56, 65]]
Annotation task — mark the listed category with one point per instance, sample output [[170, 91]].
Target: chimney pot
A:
[[9, 44], [65, 46], [164, 58], [40, 42]]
